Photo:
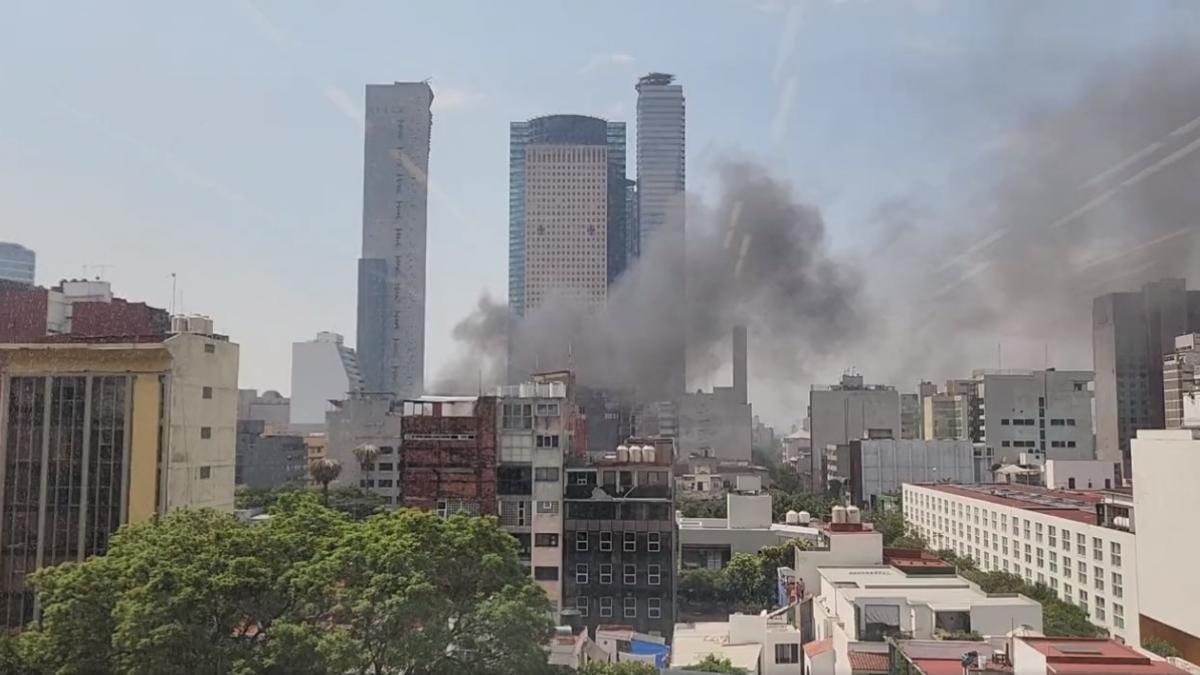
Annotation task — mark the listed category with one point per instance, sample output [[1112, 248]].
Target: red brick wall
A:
[[117, 318], [22, 313], [436, 469]]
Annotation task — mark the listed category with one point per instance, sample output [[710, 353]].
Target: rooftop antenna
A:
[[173, 279]]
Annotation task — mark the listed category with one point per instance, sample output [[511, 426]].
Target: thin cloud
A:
[[345, 105], [454, 98], [598, 61]]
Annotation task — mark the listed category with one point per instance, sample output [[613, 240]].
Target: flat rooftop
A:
[[723, 524], [1095, 655], [943, 593], [1076, 505]]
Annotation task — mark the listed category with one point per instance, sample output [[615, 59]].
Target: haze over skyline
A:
[[223, 142]]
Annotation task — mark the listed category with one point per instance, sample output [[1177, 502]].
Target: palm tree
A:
[[324, 471], [366, 454]]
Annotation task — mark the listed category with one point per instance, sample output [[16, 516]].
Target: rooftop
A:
[[1095, 655], [941, 593], [944, 657], [1077, 505], [869, 661]]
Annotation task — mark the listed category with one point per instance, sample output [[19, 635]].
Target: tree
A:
[[308, 591], [1161, 647], [1059, 618], [889, 523], [713, 664], [748, 583], [622, 668], [350, 500], [324, 471]]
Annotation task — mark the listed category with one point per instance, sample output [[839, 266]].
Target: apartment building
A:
[[619, 537], [847, 411], [1078, 543], [100, 432]]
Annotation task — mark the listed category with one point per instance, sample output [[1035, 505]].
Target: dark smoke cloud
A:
[[757, 257]]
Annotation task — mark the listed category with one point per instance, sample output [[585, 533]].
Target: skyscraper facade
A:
[[567, 210], [391, 272], [16, 263], [323, 370], [1131, 332], [661, 183]]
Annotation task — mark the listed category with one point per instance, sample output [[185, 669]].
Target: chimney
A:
[[739, 364]]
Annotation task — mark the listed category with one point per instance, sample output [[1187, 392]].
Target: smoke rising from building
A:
[[1081, 198]]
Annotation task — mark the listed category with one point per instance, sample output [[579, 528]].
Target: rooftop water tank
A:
[[622, 454], [791, 518], [853, 515], [635, 454], [804, 518], [649, 454], [839, 515]]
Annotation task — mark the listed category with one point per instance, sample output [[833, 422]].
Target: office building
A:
[[718, 423], [879, 467], [661, 186], [910, 416], [1131, 332], [1165, 466], [267, 458], [17, 263], [619, 537], [119, 429], [847, 411], [568, 200], [1180, 377], [536, 433], [391, 272], [323, 370], [365, 421], [270, 407], [1080, 544], [1049, 411], [946, 417]]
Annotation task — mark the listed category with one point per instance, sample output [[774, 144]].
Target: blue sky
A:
[[222, 140]]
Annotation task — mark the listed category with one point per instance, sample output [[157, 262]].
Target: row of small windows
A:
[[628, 541], [629, 577], [629, 607]]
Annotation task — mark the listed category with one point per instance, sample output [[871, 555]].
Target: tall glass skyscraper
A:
[[661, 183], [391, 272]]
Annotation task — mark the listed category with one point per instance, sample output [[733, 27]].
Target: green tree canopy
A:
[[308, 591], [713, 664]]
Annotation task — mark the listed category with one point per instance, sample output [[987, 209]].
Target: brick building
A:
[[75, 307], [449, 457]]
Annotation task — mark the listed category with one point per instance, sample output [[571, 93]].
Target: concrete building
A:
[[567, 210], [1165, 465], [858, 608], [1131, 332], [661, 186], [1080, 474], [79, 307], [1024, 654], [266, 458], [537, 427], [758, 644], [1045, 410], [122, 429], [797, 447], [946, 417], [746, 528], [619, 537], [718, 423], [1067, 540], [847, 411], [391, 271], [17, 263], [271, 407], [879, 467], [1180, 377], [323, 370], [911, 416]]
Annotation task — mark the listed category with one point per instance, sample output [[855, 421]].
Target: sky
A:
[[222, 141]]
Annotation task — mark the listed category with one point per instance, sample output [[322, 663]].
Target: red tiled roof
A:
[[871, 662], [1014, 499], [1095, 655], [818, 647]]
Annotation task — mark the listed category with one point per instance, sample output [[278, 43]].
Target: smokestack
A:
[[739, 363]]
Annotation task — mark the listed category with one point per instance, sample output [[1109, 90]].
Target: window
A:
[[1097, 549], [787, 653], [630, 608], [1099, 578], [549, 473], [1119, 622], [653, 608], [547, 507], [210, 348], [1116, 554], [205, 432], [581, 573], [606, 541], [1117, 590], [654, 575], [606, 573], [1071, 423], [517, 416], [630, 541], [653, 542], [206, 392], [205, 472], [630, 576], [387, 466], [581, 541], [1004, 422], [547, 410], [545, 573], [547, 440], [606, 607], [385, 483], [581, 604], [545, 540]]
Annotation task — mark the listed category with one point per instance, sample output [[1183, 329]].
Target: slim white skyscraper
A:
[[661, 182], [323, 370], [391, 272]]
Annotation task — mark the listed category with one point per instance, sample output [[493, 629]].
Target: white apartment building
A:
[[535, 432], [1051, 537], [758, 644], [1045, 410], [323, 370], [746, 528], [1166, 463]]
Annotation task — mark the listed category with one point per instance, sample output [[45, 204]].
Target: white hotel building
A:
[[1077, 543]]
